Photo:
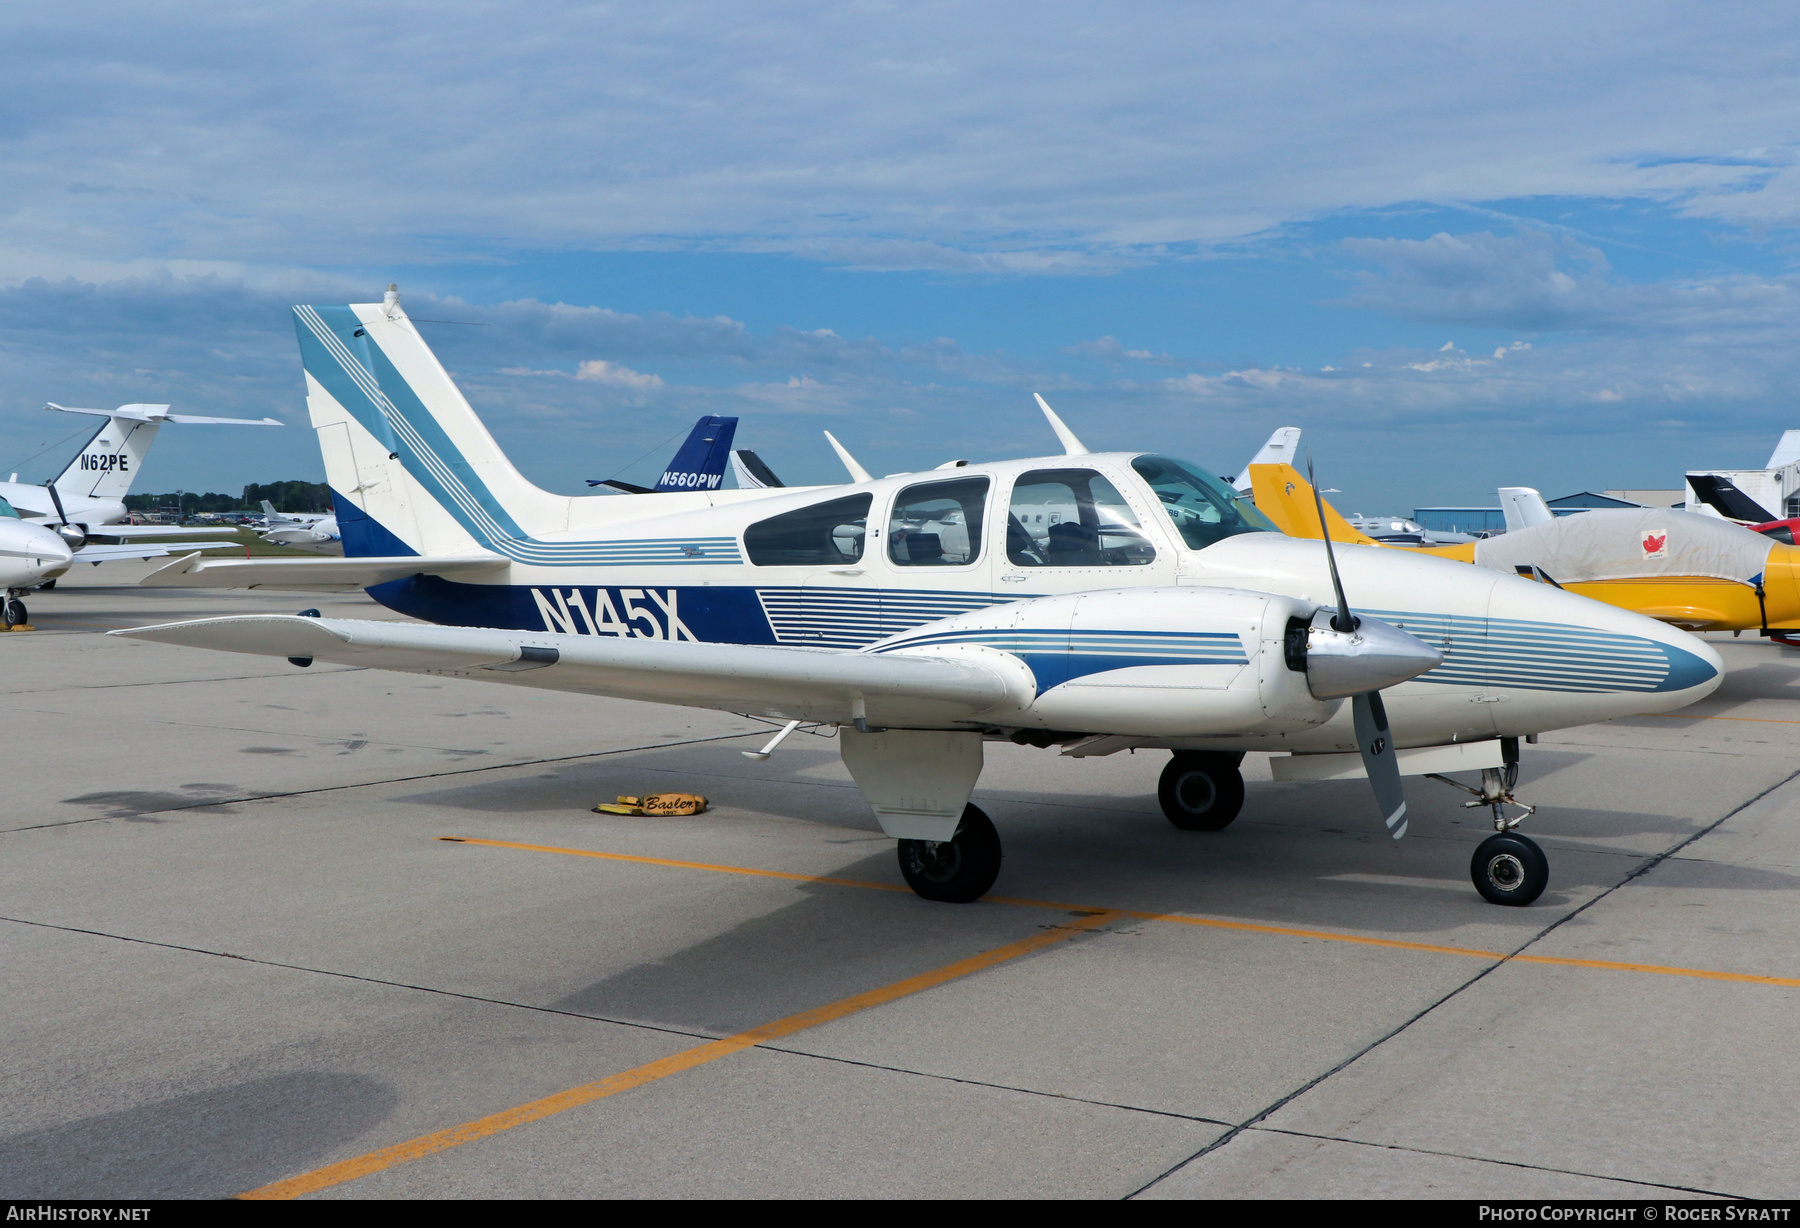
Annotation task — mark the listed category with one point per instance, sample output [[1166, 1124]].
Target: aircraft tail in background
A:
[[751, 473], [1523, 507], [109, 461], [1280, 449], [699, 463], [1286, 497]]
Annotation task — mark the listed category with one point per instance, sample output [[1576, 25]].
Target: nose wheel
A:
[[15, 613], [958, 870], [1509, 869]]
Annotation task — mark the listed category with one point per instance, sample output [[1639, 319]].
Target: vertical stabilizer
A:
[[1523, 507], [1286, 497], [752, 473], [1281, 449], [109, 461], [411, 468], [1786, 452], [700, 462]]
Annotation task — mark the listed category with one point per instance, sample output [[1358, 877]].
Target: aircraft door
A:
[[933, 551], [1070, 530]]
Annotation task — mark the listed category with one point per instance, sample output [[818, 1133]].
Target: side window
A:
[[825, 534], [937, 524], [1072, 518]]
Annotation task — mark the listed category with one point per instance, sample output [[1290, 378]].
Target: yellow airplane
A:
[[1693, 571]]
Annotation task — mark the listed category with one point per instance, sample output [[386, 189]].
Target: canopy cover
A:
[[1630, 544]]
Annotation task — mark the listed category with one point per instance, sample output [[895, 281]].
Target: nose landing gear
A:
[[15, 613], [1508, 868]]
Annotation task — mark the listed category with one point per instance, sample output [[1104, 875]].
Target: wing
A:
[[146, 532], [788, 683], [322, 574], [109, 554]]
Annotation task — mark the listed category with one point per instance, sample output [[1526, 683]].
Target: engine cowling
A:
[[1174, 662]]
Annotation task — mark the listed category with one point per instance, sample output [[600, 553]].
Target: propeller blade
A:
[[1377, 746], [55, 498], [1344, 620]]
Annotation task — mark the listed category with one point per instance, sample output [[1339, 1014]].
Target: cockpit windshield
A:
[[1202, 509], [6, 509]]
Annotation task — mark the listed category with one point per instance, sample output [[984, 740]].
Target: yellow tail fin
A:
[[1287, 498]]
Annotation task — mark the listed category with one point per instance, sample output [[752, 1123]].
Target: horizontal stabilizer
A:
[[325, 574], [160, 413], [797, 683]]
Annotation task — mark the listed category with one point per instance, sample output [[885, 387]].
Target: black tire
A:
[[15, 612], [955, 871], [1509, 869], [1200, 791]]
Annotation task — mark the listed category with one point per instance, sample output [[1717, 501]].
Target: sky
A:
[[1460, 246]]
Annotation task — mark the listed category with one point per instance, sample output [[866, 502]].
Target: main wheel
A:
[[957, 870], [1200, 791], [15, 612], [1509, 869]]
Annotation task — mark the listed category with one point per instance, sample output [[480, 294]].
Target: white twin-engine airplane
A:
[[1089, 601]]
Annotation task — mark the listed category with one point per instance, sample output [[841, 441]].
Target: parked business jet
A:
[[88, 496], [922, 617], [30, 555]]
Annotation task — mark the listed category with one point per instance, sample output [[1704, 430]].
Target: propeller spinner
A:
[[1357, 657]]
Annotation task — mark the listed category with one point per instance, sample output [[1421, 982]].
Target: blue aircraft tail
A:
[[699, 464]]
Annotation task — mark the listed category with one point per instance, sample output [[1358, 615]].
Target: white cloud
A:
[[600, 371], [954, 137]]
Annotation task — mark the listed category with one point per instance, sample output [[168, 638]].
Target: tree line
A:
[[286, 496]]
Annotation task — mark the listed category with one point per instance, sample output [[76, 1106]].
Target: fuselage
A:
[[1061, 542], [35, 503]]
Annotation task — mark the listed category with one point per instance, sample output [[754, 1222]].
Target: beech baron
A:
[[1088, 602]]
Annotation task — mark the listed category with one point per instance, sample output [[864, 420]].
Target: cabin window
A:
[[1072, 518], [937, 524], [6, 510], [1202, 510], [823, 535]]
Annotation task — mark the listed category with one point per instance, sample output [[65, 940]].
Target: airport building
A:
[[1489, 521]]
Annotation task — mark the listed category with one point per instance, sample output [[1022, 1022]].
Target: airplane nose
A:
[[1374, 656]]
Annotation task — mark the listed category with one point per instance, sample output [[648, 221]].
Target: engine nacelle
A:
[[1149, 662]]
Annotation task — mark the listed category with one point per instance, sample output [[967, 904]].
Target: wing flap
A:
[[323, 574], [790, 683]]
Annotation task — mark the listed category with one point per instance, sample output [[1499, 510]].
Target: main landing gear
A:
[[1508, 868], [958, 870], [1201, 790], [15, 613]]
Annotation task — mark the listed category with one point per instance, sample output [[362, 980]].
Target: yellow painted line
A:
[[1177, 919], [679, 865], [612, 1085]]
